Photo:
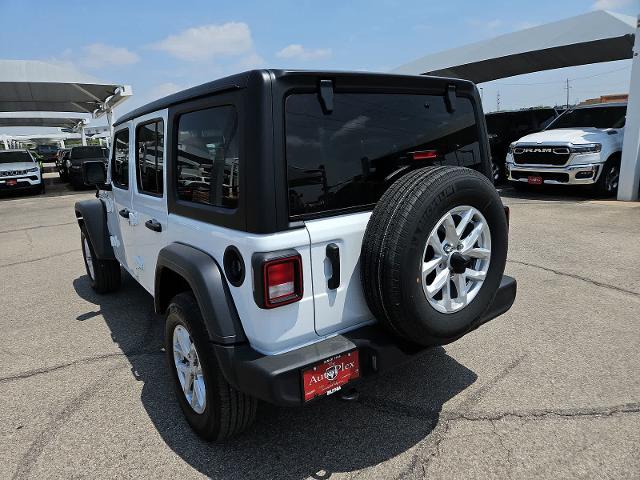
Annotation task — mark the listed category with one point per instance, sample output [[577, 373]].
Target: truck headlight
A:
[[587, 148], [34, 169]]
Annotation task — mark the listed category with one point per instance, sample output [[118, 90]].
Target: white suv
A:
[[300, 231], [19, 171], [581, 147]]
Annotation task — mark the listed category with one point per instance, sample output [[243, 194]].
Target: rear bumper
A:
[[277, 378]]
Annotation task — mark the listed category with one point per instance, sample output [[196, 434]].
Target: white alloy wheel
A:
[[456, 259], [189, 369], [88, 258]]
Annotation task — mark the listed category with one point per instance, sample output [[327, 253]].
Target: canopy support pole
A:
[[83, 136], [630, 164]]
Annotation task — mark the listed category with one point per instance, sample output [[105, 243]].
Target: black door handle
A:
[[333, 254], [154, 225], [124, 213]]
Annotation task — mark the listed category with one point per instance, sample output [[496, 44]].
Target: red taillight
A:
[[424, 155], [282, 281]]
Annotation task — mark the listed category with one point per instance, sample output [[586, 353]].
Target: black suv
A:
[[507, 126], [78, 157]]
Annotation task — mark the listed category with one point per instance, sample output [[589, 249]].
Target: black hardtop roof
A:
[[241, 80]]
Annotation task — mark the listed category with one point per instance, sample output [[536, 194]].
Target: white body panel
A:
[[344, 307]]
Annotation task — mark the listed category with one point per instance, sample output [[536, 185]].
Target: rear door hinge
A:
[[450, 98]]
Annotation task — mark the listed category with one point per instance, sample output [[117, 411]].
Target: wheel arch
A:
[[92, 217], [182, 268]]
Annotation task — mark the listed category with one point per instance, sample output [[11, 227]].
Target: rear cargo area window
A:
[[347, 158], [207, 162]]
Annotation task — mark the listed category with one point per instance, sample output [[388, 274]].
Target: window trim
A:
[[115, 183], [225, 217], [137, 158]]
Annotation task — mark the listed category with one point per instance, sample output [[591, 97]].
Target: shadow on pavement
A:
[[549, 193], [395, 411]]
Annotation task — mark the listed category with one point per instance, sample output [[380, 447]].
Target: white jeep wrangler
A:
[[300, 231]]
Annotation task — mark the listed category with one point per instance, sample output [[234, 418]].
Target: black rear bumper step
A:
[[276, 378]]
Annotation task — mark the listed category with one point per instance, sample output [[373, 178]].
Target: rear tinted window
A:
[[207, 162], [12, 157], [346, 159], [88, 152]]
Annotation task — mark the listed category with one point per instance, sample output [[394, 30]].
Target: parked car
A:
[[63, 164], [581, 147], [78, 157], [47, 152], [300, 231], [507, 126], [20, 171]]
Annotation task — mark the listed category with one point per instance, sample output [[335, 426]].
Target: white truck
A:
[[582, 146]]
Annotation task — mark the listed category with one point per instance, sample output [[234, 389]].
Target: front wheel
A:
[[213, 408], [607, 184], [104, 275]]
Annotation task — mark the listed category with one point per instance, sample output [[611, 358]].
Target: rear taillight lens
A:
[[281, 281]]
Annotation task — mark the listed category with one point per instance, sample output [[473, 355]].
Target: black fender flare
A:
[[92, 216], [208, 284]]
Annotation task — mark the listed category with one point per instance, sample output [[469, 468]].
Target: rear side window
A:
[[149, 157], [120, 160], [207, 160], [347, 159]]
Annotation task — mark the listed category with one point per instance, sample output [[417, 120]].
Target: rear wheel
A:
[[104, 275], [213, 408], [434, 253]]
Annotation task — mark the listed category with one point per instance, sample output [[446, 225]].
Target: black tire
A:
[[106, 273], [394, 243], [227, 411], [607, 183]]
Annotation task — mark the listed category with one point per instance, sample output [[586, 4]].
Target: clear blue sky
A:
[[162, 46]]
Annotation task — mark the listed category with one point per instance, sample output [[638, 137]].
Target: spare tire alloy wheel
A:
[[189, 369], [433, 254], [456, 259]]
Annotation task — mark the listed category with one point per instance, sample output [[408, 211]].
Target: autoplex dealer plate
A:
[[328, 376]]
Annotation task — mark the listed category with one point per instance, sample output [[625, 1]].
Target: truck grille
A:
[[12, 173], [538, 155]]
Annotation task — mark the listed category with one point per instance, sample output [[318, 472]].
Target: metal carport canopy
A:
[[590, 38], [27, 85], [40, 119]]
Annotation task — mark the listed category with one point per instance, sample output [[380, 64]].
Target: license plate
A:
[[12, 182], [534, 180], [330, 375]]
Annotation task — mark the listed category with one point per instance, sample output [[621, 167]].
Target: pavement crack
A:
[[32, 260], [26, 229], [577, 277], [81, 361]]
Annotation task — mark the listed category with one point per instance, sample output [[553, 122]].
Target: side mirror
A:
[[94, 173]]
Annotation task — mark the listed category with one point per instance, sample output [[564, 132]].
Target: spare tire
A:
[[433, 253]]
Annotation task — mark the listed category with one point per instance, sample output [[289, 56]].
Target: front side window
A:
[[349, 157], [207, 160], [120, 160], [149, 157]]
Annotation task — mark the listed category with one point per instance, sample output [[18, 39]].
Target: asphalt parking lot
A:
[[549, 390]]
